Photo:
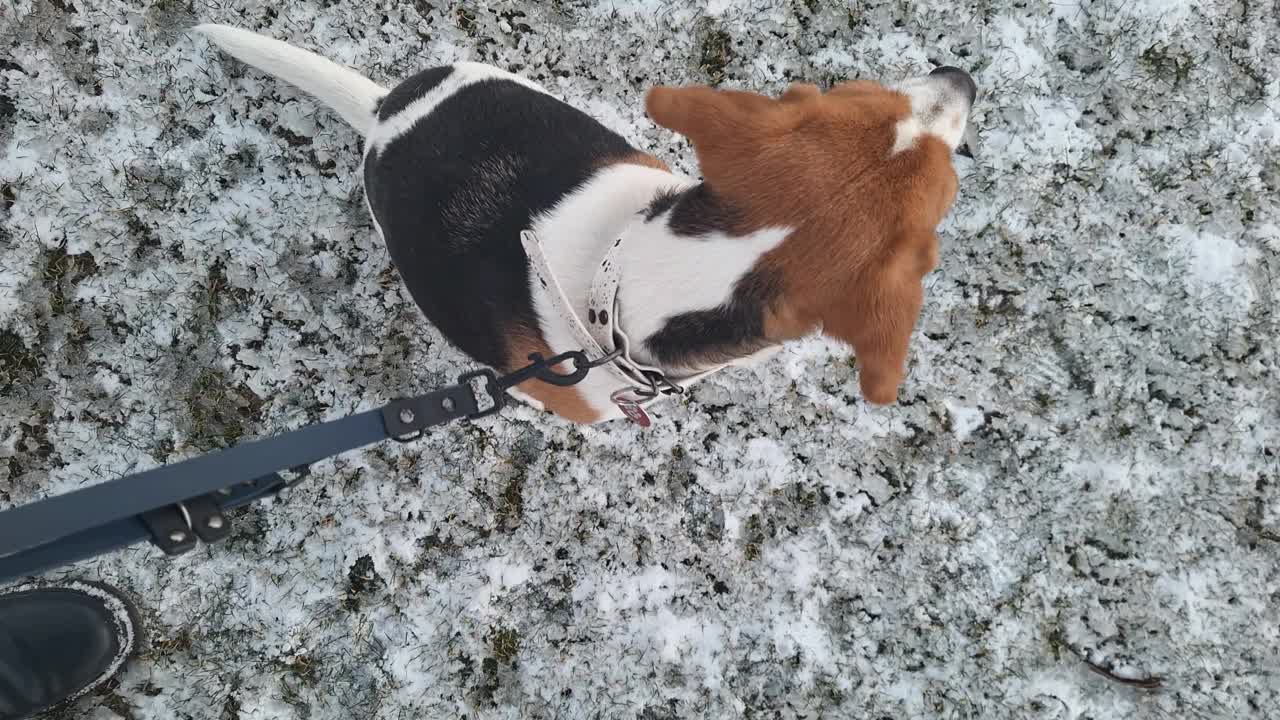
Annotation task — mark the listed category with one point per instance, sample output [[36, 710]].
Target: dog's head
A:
[[862, 174]]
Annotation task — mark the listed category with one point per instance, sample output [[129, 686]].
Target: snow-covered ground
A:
[[1074, 512]]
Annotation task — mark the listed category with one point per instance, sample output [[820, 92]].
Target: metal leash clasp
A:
[[539, 368]]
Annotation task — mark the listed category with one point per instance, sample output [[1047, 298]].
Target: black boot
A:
[[60, 640]]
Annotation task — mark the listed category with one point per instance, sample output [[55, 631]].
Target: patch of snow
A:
[[1215, 266], [964, 419], [772, 545]]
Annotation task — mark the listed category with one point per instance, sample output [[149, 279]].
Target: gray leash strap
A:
[[176, 505]]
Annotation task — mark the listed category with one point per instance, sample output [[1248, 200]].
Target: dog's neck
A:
[[688, 296], [690, 289]]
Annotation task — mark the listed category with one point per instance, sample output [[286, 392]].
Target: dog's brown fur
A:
[[864, 219], [566, 402], [643, 158]]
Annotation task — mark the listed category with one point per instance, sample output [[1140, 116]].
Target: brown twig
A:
[[1147, 683]]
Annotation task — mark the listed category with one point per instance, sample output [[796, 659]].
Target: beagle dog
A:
[[508, 212]]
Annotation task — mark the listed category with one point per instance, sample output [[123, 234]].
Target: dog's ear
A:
[[703, 114], [710, 117], [739, 137], [800, 92], [853, 88], [879, 327]]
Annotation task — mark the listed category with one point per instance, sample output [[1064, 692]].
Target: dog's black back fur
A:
[[453, 194]]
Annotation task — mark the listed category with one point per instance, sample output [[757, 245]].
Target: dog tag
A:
[[633, 411]]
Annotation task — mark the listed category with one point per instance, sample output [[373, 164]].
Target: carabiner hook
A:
[[581, 366], [540, 368], [543, 368]]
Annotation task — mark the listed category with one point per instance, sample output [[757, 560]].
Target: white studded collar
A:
[[638, 385]]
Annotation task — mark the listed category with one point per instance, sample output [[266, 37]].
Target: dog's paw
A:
[[879, 390]]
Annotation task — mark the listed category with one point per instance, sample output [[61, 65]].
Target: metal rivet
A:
[[177, 536], [604, 317], [591, 316], [406, 415], [214, 522], [447, 404]]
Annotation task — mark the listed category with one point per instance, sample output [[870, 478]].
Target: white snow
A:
[[964, 418], [1083, 463], [1216, 265]]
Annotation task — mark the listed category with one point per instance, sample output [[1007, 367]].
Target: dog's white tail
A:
[[351, 94]]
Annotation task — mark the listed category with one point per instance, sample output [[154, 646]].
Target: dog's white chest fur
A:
[[663, 275]]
